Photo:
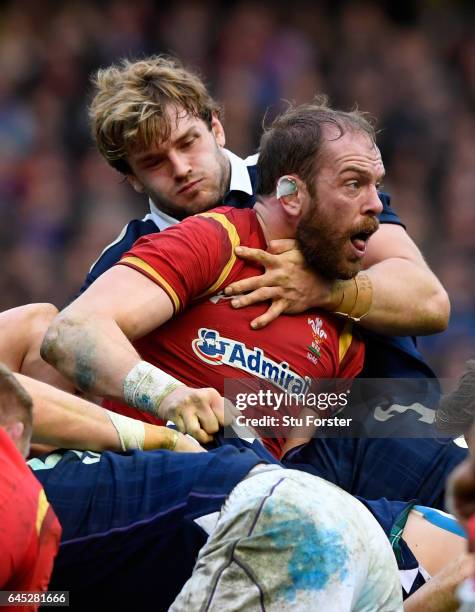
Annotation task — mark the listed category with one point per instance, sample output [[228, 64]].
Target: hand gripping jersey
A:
[[208, 341], [29, 529]]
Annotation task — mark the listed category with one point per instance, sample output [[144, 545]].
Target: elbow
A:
[[438, 312], [53, 346]]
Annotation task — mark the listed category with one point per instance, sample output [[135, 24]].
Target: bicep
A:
[[391, 241], [21, 329], [132, 300]]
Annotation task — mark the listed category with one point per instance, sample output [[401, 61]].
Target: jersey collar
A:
[[240, 180]]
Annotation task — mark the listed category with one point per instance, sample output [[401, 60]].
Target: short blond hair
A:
[[128, 110], [15, 402]]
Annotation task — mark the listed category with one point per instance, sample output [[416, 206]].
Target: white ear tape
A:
[[286, 186]]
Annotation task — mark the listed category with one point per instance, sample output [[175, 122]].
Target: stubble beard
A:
[[215, 197], [323, 246]]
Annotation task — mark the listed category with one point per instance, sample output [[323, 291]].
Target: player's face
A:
[[334, 232], [187, 174]]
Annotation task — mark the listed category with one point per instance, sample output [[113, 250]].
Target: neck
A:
[[226, 182], [274, 222]]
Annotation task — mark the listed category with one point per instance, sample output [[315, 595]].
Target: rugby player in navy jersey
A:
[[174, 119], [134, 524], [183, 168], [156, 123]]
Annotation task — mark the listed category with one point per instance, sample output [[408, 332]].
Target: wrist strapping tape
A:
[[145, 386], [130, 431]]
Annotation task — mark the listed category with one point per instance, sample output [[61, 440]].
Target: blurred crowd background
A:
[[411, 64]]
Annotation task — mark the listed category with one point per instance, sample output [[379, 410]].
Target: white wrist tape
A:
[[130, 431], [145, 386]]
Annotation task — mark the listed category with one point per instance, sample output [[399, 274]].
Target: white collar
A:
[[240, 181], [161, 219]]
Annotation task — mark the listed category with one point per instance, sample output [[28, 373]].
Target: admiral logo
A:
[[214, 349]]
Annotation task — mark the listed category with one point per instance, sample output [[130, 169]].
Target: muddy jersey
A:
[[208, 341]]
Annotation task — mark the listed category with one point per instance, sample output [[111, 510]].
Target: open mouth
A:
[[360, 241]]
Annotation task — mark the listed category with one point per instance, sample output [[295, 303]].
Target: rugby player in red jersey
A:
[[323, 193]]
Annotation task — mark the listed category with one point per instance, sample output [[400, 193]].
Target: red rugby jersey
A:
[[29, 530], [208, 341]]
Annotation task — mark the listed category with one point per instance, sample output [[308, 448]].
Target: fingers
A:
[[246, 284], [275, 309], [198, 412], [277, 247], [249, 284], [259, 295], [187, 444], [255, 255], [193, 427]]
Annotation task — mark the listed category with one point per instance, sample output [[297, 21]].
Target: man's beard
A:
[[324, 246]]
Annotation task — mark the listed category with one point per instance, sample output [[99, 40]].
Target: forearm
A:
[[64, 420], [91, 352], [407, 299], [21, 332], [67, 421], [432, 597], [438, 595]]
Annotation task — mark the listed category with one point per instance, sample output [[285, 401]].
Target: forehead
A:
[[176, 123], [353, 149], [180, 120]]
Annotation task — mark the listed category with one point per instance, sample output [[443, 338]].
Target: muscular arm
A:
[[21, 332], [90, 344], [67, 421], [408, 299], [438, 595], [90, 341]]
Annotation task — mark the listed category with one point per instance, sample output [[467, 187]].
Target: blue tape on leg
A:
[[442, 520]]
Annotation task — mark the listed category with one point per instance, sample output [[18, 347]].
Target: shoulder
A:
[[131, 232], [135, 229], [232, 220], [388, 215]]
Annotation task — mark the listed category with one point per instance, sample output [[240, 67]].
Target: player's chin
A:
[[204, 201], [349, 269]]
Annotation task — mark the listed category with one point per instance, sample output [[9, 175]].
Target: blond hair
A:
[[15, 402], [128, 110]]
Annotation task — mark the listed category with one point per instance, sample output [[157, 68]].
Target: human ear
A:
[[218, 131], [15, 431], [292, 195], [135, 183]]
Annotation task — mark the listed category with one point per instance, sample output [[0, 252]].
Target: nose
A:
[[180, 164], [372, 204]]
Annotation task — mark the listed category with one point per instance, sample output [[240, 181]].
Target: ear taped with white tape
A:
[[286, 186]]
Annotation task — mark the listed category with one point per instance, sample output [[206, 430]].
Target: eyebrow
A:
[[158, 153], [185, 135], [361, 171]]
